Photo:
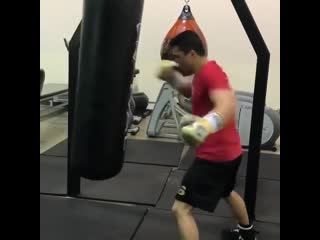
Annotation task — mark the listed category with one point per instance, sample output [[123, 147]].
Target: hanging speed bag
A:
[[185, 22], [109, 39]]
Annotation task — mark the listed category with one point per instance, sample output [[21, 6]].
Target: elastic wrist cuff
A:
[[215, 120]]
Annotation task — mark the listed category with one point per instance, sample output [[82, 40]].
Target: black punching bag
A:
[[109, 39]]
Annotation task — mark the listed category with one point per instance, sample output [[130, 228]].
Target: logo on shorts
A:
[[182, 191]]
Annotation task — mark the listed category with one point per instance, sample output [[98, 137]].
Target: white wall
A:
[[227, 41], [58, 20]]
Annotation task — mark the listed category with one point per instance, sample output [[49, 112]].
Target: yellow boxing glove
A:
[[195, 132], [165, 70]]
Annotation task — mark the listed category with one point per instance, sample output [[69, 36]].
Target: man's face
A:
[[185, 61]]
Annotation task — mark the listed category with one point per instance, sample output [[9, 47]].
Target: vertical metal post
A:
[[73, 179], [260, 88]]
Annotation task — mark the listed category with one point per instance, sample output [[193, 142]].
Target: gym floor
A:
[[136, 204]]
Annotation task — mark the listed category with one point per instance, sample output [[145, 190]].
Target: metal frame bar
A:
[[73, 178], [261, 79], [259, 97], [47, 96]]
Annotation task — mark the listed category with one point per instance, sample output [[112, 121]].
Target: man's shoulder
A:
[[213, 76], [213, 70], [217, 66], [212, 67]]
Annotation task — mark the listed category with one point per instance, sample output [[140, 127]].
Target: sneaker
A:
[[237, 234]]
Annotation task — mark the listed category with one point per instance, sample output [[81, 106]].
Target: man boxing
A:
[[211, 129]]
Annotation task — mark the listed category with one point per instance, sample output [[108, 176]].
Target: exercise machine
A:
[[271, 125], [166, 114], [171, 106], [48, 95]]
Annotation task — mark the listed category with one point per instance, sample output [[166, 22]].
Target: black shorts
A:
[[205, 183]]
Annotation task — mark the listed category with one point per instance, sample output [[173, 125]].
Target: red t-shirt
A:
[[225, 144]]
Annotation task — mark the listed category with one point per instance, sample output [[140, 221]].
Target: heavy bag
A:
[[109, 39], [186, 21]]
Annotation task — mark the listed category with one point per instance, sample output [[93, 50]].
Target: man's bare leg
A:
[[186, 223], [238, 208], [245, 228]]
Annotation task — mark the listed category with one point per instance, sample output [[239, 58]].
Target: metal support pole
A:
[[260, 89], [73, 180]]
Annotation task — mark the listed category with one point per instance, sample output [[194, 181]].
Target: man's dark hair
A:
[[187, 41]]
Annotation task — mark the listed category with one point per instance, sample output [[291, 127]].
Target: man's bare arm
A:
[[182, 84], [224, 101]]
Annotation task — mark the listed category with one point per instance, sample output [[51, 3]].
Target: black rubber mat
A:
[[269, 164], [53, 175], [137, 151], [136, 183], [209, 227], [268, 200], [67, 219], [267, 206], [153, 152]]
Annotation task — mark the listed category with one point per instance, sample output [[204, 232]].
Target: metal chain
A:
[[186, 1]]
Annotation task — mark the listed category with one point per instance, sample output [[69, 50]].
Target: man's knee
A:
[[180, 208]]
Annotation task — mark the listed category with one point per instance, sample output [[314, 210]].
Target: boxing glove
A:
[[195, 130]]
